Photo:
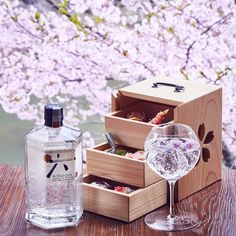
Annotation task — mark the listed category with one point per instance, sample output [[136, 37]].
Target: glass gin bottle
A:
[[53, 166]]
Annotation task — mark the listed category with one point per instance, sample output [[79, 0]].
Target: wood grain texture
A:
[[99, 201], [215, 205], [133, 133], [147, 199], [207, 111], [119, 102], [199, 105], [166, 95], [118, 168], [115, 101], [125, 207]]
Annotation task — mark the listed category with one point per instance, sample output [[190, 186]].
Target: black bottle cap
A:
[[53, 115]]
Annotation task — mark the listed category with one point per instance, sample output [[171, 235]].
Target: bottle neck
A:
[[53, 124], [53, 132]]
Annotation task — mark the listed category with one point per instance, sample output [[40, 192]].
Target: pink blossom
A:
[[51, 59]]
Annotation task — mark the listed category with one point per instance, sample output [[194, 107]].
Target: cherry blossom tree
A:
[[73, 55]]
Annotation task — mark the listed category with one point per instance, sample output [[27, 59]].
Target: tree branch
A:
[[188, 53], [220, 21], [208, 28]]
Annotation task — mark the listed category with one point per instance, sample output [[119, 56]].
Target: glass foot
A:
[[159, 220]]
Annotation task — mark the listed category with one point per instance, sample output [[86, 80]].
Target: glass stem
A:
[[172, 191]]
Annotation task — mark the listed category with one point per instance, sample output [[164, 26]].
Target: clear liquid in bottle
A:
[[53, 164]]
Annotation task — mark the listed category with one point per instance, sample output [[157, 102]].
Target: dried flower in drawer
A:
[[101, 184], [121, 189], [139, 155], [106, 185], [123, 151]]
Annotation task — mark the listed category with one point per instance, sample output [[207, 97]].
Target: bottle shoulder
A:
[[46, 134], [71, 132], [35, 129]]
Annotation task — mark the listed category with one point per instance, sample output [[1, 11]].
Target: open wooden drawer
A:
[[133, 133], [122, 206], [195, 104], [119, 168]]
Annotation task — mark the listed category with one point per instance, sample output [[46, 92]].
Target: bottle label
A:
[[60, 165]]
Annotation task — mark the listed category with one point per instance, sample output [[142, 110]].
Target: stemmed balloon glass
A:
[[172, 151]]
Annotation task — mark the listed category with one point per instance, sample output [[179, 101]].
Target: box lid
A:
[[166, 94]]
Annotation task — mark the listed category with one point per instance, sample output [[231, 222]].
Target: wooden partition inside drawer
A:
[[119, 168], [133, 133], [121, 206]]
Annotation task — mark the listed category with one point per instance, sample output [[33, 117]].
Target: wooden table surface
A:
[[215, 205]]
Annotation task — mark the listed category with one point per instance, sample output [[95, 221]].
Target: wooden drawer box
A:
[[133, 133], [121, 206], [119, 168], [198, 105]]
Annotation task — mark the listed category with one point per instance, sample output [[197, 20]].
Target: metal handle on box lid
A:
[[178, 88]]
